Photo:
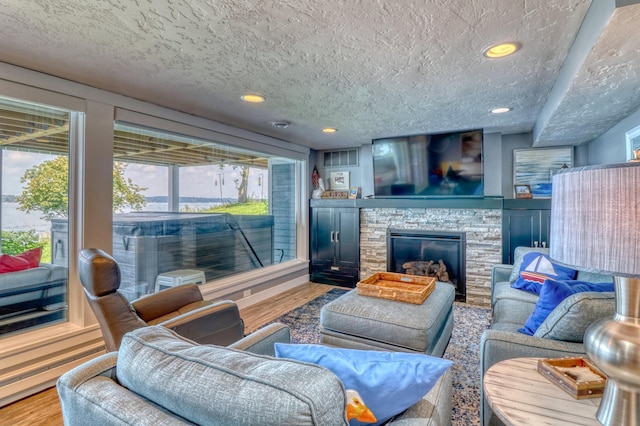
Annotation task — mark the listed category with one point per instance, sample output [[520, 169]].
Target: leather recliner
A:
[[181, 308]]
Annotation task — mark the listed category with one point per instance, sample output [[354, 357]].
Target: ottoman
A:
[[363, 322]]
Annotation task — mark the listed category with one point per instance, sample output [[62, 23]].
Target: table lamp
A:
[[595, 227]]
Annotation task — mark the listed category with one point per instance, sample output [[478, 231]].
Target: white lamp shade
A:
[[595, 219]]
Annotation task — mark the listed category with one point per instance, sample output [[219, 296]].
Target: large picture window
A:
[[34, 150], [189, 209]]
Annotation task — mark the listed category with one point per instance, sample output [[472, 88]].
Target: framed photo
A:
[[523, 191], [536, 167], [354, 192], [633, 144], [339, 181]]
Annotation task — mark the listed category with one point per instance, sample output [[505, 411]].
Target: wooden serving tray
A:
[[575, 375], [399, 287]]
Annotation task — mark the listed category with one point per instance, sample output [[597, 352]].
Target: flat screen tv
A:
[[446, 164]]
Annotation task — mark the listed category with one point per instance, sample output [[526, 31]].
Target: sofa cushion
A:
[[570, 319], [25, 260], [536, 267], [208, 384], [374, 376], [24, 278], [552, 293]]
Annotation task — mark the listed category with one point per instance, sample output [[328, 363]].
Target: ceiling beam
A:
[[35, 135]]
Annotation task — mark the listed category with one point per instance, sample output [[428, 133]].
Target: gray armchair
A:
[[158, 377], [179, 308], [560, 335]]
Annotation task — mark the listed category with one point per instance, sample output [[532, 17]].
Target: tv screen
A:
[[446, 164]]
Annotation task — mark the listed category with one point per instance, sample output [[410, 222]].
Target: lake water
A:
[[17, 220]]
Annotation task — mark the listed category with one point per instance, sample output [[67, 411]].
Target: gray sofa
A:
[[158, 377], [32, 296], [560, 335]]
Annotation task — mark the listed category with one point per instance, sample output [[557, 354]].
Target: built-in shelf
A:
[[414, 203]]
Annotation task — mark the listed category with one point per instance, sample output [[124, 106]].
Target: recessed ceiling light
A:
[[329, 130], [500, 110], [501, 50], [254, 99], [280, 124]]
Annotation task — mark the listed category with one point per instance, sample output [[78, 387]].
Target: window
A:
[[186, 206], [347, 157], [34, 152], [41, 123]]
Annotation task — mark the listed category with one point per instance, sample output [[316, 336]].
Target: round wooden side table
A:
[[519, 396]]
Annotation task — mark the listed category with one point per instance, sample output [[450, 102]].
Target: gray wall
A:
[[611, 147], [356, 173], [509, 143], [492, 155]]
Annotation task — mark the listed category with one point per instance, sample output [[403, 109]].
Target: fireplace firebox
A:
[[431, 253]]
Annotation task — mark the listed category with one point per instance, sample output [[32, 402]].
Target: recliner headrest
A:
[[99, 272]]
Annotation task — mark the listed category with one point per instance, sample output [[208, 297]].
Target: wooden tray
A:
[[399, 287], [558, 371]]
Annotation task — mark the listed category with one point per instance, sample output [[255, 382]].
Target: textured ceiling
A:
[[369, 68]]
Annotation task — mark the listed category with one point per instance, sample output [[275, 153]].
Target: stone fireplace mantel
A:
[[483, 228], [414, 202], [480, 218]]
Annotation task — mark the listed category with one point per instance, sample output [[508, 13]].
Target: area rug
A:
[[463, 349]]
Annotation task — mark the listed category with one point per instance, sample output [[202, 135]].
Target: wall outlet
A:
[[246, 293]]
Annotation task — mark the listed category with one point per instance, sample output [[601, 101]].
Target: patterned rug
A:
[[463, 349]]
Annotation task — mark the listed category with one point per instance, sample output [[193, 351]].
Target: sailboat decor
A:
[[539, 270], [536, 268]]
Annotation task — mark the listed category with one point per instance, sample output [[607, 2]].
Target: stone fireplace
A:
[[439, 254], [483, 246]]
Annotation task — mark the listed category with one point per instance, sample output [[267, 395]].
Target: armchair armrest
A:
[[498, 345], [499, 273], [261, 341], [156, 305], [218, 323], [103, 365]]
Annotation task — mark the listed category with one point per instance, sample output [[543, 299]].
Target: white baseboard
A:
[[270, 292]]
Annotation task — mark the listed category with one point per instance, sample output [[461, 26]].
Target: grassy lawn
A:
[[251, 207]]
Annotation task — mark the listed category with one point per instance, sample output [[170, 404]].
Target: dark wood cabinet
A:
[[522, 226], [335, 245]]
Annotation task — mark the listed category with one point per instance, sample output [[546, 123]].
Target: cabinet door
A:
[[519, 228], [335, 245], [545, 227], [322, 229], [347, 237]]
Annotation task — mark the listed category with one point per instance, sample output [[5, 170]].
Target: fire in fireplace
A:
[[429, 253]]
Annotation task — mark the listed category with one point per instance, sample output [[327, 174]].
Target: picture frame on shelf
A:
[[335, 194], [535, 167], [354, 192], [522, 191], [339, 181]]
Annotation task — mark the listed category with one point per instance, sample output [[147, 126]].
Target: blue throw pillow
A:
[[536, 268], [379, 384], [552, 294]]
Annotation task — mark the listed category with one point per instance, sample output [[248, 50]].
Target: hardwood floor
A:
[[44, 408]]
